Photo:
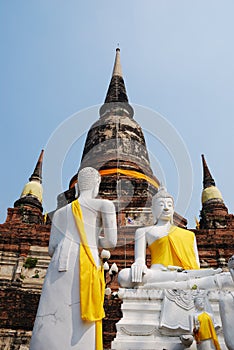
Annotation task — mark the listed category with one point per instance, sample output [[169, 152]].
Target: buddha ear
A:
[[155, 220], [96, 189], [76, 190]]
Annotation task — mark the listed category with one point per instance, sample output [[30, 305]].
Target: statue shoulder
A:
[[60, 213], [143, 230], [182, 231], [59, 220], [104, 205]]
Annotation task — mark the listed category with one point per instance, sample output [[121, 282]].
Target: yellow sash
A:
[[130, 173], [92, 284], [207, 330], [177, 248]]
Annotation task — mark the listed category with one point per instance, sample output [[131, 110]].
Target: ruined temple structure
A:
[[216, 228], [24, 259], [115, 145]]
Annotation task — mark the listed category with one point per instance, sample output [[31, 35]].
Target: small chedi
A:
[[70, 310], [158, 303]]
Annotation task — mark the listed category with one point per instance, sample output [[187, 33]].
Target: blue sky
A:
[[177, 58]]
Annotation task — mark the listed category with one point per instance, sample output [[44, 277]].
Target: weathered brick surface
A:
[[214, 244], [113, 315], [14, 339], [24, 227], [20, 231], [18, 307]]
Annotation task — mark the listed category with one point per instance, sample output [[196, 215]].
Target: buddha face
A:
[[199, 303], [163, 209]]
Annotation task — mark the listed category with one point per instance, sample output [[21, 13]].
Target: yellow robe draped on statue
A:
[[206, 330], [177, 248], [92, 284]]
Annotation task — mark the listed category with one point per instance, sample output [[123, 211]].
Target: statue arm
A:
[[109, 225], [138, 269], [140, 245], [56, 231], [196, 251], [194, 324]]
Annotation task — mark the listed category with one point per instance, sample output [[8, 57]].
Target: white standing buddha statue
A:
[[226, 307], [203, 327], [70, 311], [174, 255]]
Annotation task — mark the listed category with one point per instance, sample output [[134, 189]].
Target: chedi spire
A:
[[214, 211], [210, 191], [116, 91], [207, 177], [116, 97], [37, 174], [32, 192]]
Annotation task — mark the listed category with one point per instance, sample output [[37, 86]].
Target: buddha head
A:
[[89, 179], [162, 206], [199, 303]]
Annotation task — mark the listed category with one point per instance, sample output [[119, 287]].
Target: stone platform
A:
[[155, 319]]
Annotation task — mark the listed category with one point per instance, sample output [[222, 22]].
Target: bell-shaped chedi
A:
[[115, 145], [32, 192], [214, 212]]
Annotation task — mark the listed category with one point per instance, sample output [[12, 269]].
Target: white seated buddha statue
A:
[[174, 255]]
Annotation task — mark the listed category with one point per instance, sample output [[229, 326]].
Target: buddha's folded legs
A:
[[218, 281], [203, 279]]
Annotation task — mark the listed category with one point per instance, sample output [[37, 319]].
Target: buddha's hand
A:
[[231, 263], [138, 269]]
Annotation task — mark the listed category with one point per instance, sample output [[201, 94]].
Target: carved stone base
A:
[[157, 319]]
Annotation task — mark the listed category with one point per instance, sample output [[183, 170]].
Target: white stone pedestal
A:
[[154, 319]]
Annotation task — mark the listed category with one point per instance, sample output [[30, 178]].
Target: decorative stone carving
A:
[[143, 310]]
